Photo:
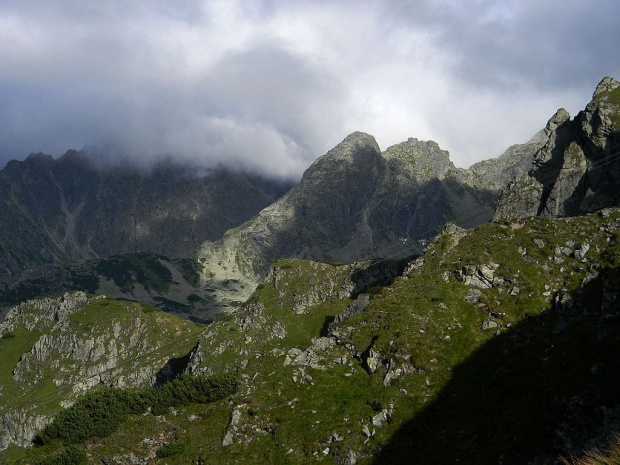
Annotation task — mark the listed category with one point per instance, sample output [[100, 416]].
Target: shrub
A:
[[169, 450], [71, 456], [100, 413]]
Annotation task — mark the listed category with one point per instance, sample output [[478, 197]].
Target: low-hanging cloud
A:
[[268, 86]]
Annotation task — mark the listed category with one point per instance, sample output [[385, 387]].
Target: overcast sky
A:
[[272, 85]]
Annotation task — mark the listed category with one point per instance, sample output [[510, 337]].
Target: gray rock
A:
[[355, 308], [581, 250], [482, 277], [574, 171], [373, 361], [395, 371], [473, 295], [233, 425], [228, 439], [489, 324], [452, 228]]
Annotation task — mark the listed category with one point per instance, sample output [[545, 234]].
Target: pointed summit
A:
[[607, 85], [357, 148]]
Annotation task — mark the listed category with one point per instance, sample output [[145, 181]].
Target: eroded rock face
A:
[[19, 428], [75, 349], [577, 170]]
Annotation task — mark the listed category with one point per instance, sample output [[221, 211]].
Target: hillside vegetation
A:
[[497, 346]]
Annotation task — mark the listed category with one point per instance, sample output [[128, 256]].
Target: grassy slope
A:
[[476, 395], [164, 337]]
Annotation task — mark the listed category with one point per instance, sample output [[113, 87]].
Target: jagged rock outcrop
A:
[[354, 202], [577, 170]]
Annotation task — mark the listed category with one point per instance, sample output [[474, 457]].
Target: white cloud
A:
[[271, 85]]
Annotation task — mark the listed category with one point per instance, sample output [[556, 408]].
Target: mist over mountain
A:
[[268, 86], [68, 209]]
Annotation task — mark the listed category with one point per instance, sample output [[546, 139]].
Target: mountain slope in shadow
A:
[[548, 387]]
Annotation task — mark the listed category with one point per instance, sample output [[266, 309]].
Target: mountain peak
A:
[[422, 159], [560, 117], [39, 157], [606, 85], [357, 149], [353, 142]]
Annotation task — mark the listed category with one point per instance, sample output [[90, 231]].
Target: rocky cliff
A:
[[577, 170]]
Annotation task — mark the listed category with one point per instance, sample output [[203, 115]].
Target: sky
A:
[[269, 85]]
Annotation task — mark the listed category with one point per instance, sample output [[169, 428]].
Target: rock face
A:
[[577, 170], [74, 343], [64, 210], [496, 173], [354, 202]]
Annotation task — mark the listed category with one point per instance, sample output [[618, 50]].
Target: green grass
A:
[[11, 349], [475, 394], [612, 98]]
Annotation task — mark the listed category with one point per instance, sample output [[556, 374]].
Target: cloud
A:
[[271, 85]]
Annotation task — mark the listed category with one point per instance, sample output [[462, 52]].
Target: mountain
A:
[[172, 284], [66, 217], [493, 344], [66, 210], [354, 202], [498, 345], [577, 170], [495, 173]]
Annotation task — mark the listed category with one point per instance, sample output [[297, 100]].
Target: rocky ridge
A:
[[436, 354], [496, 173], [577, 170]]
